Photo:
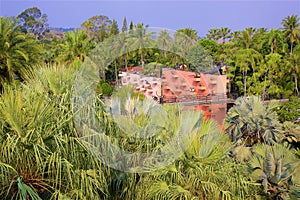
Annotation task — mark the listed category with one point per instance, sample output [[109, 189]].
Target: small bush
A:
[[289, 111], [104, 88]]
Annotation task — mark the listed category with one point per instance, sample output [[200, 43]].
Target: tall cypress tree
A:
[[102, 33], [131, 26], [124, 27], [114, 28]]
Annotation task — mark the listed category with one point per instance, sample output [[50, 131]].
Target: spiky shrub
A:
[[41, 155]]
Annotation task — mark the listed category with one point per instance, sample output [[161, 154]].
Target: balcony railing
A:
[[197, 99]]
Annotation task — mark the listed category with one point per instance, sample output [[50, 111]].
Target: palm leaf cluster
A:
[[204, 172], [19, 52], [44, 157], [41, 155]]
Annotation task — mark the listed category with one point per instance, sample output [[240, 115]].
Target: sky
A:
[[200, 15]]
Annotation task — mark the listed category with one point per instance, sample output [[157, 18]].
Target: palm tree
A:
[[245, 39], [246, 60], [275, 38], [291, 29], [272, 72], [261, 30], [213, 34], [163, 41], [225, 33], [140, 39], [181, 46], [202, 173], [123, 46], [293, 66], [76, 46], [18, 51], [191, 33], [250, 122], [117, 45]]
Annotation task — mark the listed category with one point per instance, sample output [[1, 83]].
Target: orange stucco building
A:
[[206, 92]]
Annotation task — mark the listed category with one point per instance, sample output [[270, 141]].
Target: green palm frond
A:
[[40, 150]]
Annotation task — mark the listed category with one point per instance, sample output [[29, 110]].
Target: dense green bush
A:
[[289, 111], [104, 88]]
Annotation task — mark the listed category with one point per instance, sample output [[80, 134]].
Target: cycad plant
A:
[[277, 169], [251, 121]]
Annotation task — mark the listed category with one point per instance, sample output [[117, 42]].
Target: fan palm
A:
[[41, 155], [203, 172]]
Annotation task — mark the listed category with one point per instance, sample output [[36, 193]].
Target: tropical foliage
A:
[[41, 154], [278, 170], [251, 122], [46, 154], [18, 51]]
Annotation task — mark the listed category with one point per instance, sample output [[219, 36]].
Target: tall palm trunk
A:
[[116, 72], [229, 87], [125, 62], [142, 60], [245, 82], [296, 84]]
